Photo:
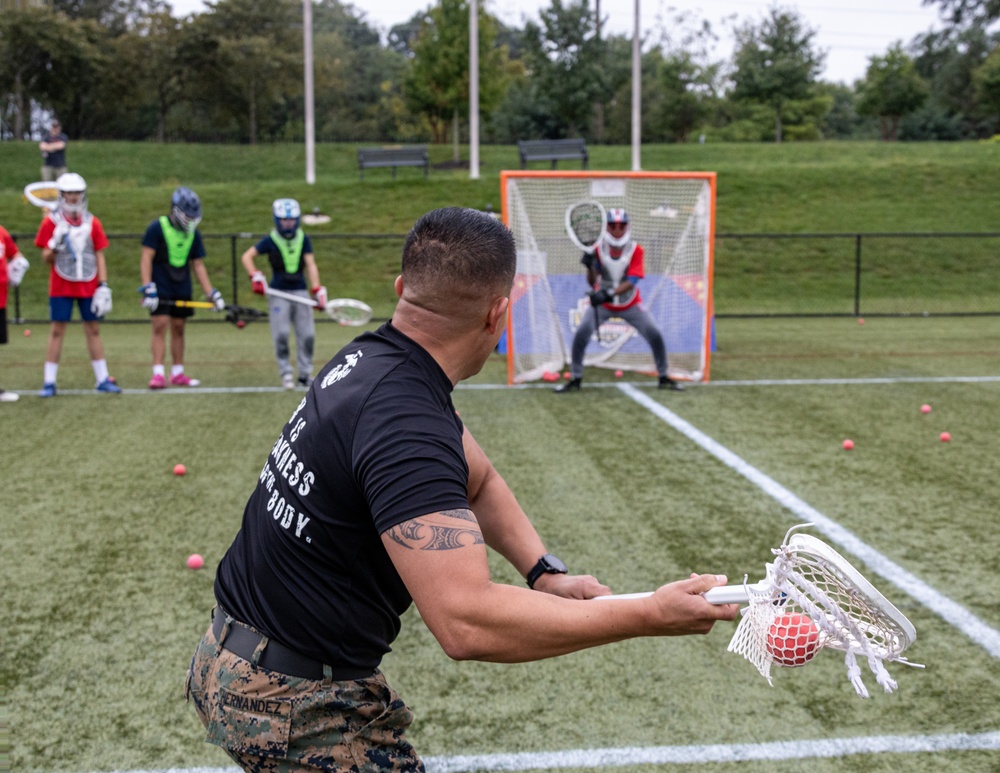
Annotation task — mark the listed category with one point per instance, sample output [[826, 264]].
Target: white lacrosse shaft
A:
[[292, 297], [724, 594]]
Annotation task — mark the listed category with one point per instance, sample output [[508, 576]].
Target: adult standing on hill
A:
[[171, 249], [53, 147], [376, 496]]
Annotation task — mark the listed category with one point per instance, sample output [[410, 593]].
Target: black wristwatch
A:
[[547, 564]]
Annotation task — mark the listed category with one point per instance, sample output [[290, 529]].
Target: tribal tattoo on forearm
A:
[[429, 533]]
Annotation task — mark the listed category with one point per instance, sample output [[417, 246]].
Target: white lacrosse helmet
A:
[[618, 216], [284, 210], [72, 183]]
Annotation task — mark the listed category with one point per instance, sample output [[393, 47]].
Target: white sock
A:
[[100, 370], [176, 370], [158, 370], [51, 369]]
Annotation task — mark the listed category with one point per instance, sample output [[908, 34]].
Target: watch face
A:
[[553, 564]]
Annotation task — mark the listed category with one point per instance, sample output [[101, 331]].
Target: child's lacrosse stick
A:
[[44, 195], [346, 311], [810, 598]]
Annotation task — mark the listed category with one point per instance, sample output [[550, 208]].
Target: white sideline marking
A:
[[952, 612], [593, 759], [591, 384]]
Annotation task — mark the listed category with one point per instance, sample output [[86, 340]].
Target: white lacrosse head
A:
[[810, 581]]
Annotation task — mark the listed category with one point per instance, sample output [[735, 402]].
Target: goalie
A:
[[614, 269]]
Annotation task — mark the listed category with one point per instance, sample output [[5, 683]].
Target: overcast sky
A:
[[849, 35]]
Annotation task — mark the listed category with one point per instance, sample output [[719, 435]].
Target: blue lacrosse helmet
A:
[[185, 209], [287, 216], [618, 216]]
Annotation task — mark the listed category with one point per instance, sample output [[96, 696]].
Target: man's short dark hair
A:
[[464, 252]]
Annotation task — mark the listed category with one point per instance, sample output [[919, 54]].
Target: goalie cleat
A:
[[573, 385], [109, 386], [158, 382], [668, 383], [182, 379]]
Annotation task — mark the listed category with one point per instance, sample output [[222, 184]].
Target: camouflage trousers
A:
[[276, 723]]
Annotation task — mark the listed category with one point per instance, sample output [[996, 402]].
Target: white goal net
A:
[[672, 215]]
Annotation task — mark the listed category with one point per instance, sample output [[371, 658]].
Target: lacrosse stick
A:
[[234, 314], [43, 195], [586, 224], [809, 599], [346, 311]]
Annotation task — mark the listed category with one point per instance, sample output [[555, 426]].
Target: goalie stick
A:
[[234, 314], [44, 195]]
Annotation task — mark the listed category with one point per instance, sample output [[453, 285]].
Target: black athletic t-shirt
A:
[[375, 442]]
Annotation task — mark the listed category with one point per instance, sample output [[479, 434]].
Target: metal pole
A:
[[636, 94], [857, 275], [474, 90], [310, 120]]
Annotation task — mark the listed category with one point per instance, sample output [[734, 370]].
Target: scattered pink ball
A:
[[27, 333], [619, 373], [925, 408], [180, 469], [195, 561], [945, 437], [848, 444], [861, 320], [567, 375]]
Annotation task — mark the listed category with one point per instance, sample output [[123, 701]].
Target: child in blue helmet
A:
[[289, 253], [171, 249]]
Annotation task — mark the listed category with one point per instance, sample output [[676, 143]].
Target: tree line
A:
[[130, 69]]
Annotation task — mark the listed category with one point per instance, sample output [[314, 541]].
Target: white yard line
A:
[[627, 756], [952, 612]]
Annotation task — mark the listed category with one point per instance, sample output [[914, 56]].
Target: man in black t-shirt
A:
[[375, 496]]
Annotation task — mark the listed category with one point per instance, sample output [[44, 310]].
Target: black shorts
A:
[[169, 310], [3, 325]]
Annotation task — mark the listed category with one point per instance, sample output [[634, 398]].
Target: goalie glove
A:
[[319, 293], [15, 270], [100, 304], [599, 297], [216, 298], [150, 297], [59, 234], [258, 282]]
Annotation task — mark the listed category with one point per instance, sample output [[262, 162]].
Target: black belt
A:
[[243, 641]]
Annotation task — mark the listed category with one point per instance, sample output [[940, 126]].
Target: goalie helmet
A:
[[285, 211], [72, 183], [618, 217], [185, 209]]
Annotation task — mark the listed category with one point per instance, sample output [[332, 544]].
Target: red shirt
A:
[[60, 287], [8, 249]]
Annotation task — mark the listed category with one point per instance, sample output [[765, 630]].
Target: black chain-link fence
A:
[[756, 275]]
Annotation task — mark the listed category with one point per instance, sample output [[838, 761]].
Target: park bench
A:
[[413, 155], [552, 150]]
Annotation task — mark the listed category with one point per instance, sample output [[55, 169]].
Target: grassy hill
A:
[[791, 188]]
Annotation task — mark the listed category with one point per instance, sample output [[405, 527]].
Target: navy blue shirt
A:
[[281, 279], [375, 442], [56, 158], [171, 283]]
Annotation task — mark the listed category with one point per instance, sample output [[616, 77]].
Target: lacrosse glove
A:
[[150, 298], [599, 297], [320, 294], [216, 298], [259, 282], [16, 269], [100, 304]]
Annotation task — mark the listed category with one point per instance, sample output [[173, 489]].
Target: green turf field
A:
[[101, 615]]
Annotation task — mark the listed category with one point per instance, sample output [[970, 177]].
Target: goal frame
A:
[[707, 322]]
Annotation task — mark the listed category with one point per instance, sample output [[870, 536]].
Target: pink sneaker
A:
[[182, 379], [157, 382]]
